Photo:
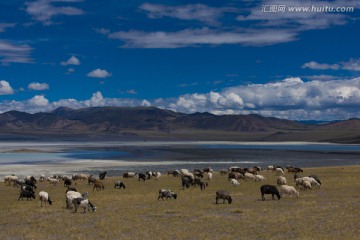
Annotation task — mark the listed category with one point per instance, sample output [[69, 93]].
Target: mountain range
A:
[[149, 123]]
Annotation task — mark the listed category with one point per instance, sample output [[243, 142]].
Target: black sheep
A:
[[142, 176], [26, 194], [102, 175], [269, 189]]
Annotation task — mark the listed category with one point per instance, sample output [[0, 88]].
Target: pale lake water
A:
[[24, 158]]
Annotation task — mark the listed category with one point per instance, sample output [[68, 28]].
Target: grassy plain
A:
[[331, 212]]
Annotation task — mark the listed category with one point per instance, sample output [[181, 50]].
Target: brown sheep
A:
[[98, 185]]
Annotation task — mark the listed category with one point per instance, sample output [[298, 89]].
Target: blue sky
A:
[[223, 57]]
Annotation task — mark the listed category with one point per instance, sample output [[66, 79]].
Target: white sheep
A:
[[306, 184], [10, 179], [249, 176], [279, 172], [44, 197], [234, 182], [157, 175], [53, 181], [259, 178], [209, 175], [71, 195], [83, 203], [312, 181], [186, 172], [290, 190], [280, 180]]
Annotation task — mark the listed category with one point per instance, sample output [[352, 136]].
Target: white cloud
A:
[[290, 98], [351, 65], [4, 26], [103, 31], [300, 20], [12, 53], [320, 66], [39, 101], [71, 61], [201, 37], [199, 12], [44, 10], [99, 73], [5, 88], [38, 86]]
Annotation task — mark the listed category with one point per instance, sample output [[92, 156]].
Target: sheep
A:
[[83, 203], [168, 194], [249, 176], [42, 178], [290, 190], [234, 182], [209, 176], [80, 176], [280, 180], [306, 184], [222, 194], [279, 171], [186, 181], [269, 189], [102, 175], [67, 182], [44, 197], [10, 179], [129, 175], [175, 173], [26, 194], [53, 181], [312, 181], [259, 178], [70, 195], [98, 185], [142, 176], [185, 172], [316, 178], [208, 170], [157, 175], [92, 180], [27, 188], [235, 175], [119, 184]]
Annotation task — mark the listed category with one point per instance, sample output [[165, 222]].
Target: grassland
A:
[[330, 212]]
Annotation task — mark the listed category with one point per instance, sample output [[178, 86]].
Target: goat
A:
[[98, 185]]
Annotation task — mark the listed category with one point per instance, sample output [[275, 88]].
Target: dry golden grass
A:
[[330, 212]]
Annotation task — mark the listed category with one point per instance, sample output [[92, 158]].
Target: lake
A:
[[23, 158]]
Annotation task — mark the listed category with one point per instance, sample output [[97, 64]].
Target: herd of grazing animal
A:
[[198, 177]]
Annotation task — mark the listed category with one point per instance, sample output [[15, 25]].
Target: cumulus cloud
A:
[[351, 65], [5, 88], [71, 61], [14, 53], [39, 101], [38, 86], [44, 10], [290, 98], [99, 73]]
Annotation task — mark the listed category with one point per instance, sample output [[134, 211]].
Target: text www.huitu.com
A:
[[273, 8]]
